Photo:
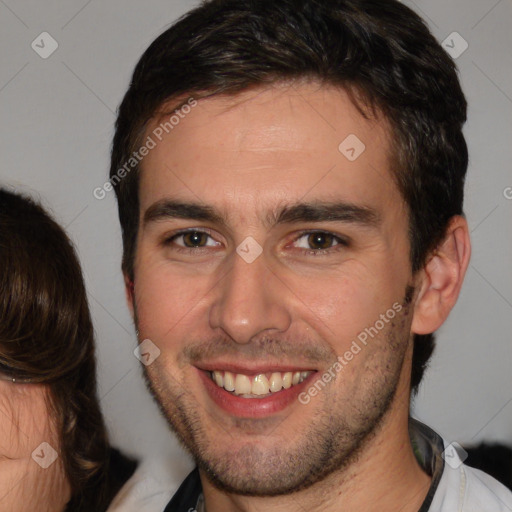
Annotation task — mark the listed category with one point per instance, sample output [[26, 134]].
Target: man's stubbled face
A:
[[266, 246]]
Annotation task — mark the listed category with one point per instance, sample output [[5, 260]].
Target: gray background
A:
[[57, 121]]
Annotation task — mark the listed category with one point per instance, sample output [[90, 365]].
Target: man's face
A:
[[264, 171]]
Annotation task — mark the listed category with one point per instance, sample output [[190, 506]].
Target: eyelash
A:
[[182, 249], [340, 242]]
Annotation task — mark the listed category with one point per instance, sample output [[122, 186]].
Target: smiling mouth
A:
[[257, 386]]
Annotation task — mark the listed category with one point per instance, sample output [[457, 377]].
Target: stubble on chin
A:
[[288, 458]]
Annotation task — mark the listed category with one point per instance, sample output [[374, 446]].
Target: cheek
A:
[[167, 302], [24, 422], [348, 302]]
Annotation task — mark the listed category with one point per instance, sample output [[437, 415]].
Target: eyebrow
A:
[[318, 211], [167, 209], [326, 212]]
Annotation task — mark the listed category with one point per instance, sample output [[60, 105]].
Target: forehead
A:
[[270, 144]]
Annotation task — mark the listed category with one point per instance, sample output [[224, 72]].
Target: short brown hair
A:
[[378, 49]]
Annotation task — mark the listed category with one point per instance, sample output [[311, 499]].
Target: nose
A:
[[249, 299]]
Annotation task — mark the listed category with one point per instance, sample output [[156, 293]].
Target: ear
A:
[[129, 290], [442, 277]]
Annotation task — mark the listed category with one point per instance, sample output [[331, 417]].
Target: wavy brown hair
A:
[[46, 336]]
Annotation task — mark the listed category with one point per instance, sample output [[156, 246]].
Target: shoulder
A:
[[152, 485], [483, 492], [466, 489]]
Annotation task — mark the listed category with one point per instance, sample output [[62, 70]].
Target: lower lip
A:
[[251, 407]]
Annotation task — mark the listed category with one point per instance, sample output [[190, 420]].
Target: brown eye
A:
[[191, 239], [320, 240], [195, 239]]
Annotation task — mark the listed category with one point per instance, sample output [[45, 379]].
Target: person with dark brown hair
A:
[[54, 449], [290, 181]]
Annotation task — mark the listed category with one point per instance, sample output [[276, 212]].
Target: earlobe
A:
[[442, 278]]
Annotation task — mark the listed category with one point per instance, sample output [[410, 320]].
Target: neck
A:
[[385, 473]]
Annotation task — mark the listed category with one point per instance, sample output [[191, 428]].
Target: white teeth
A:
[[229, 381], [242, 384], [276, 382], [287, 380], [259, 385], [218, 378]]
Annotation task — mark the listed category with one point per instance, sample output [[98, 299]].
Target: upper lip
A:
[[252, 368]]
